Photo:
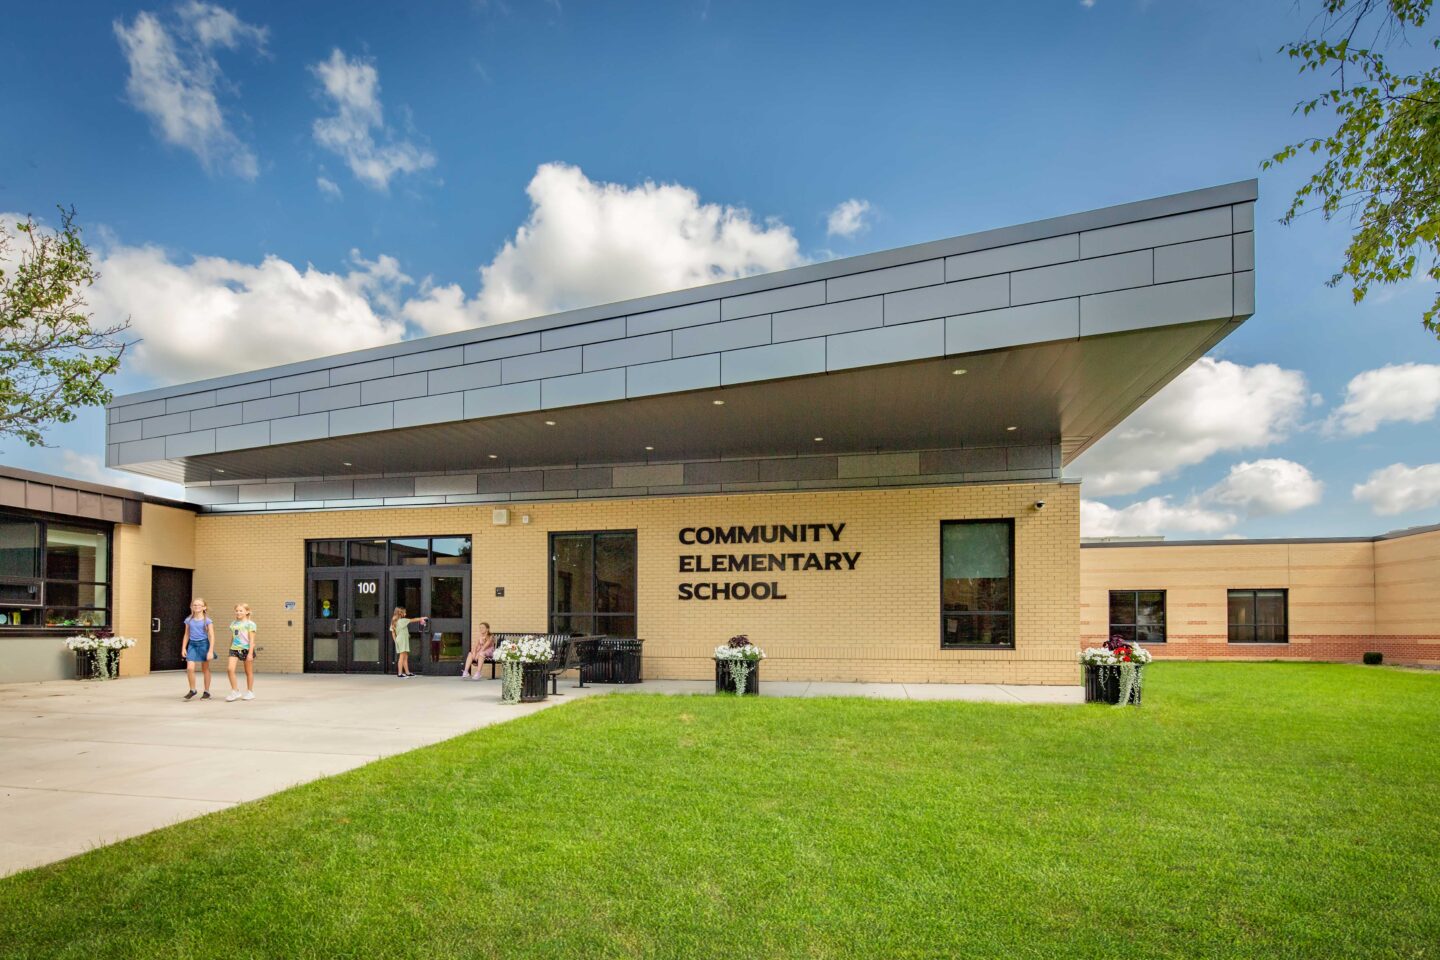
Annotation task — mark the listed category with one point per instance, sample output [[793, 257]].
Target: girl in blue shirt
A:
[[198, 645]]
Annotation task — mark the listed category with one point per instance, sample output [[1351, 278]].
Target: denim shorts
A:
[[197, 652]]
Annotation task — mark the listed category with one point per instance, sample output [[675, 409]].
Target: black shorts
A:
[[239, 654]]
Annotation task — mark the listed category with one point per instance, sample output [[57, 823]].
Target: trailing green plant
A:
[[512, 673], [740, 657]]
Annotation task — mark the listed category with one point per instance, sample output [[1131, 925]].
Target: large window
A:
[[1259, 616], [396, 552], [592, 583], [53, 574], [977, 583], [1138, 615]]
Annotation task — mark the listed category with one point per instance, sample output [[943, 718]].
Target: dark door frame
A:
[[165, 630]]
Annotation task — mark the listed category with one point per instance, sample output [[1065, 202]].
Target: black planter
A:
[[1102, 684], [87, 664], [725, 683], [533, 686]]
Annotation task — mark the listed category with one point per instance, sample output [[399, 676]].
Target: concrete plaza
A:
[[86, 764]]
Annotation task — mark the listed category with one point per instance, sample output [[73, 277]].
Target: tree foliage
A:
[[53, 358], [1381, 166]]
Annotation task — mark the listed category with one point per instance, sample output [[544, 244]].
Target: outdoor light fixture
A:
[[718, 403], [960, 373], [218, 470], [346, 463], [549, 423], [493, 456], [649, 448], [1012, 428], [819, 439]]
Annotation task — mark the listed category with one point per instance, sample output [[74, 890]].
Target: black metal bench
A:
[[554, 639], [609, 659]]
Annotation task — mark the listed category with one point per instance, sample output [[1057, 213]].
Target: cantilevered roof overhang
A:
[[1063, 327]]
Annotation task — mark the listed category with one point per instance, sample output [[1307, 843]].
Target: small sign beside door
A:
[[289, 604]]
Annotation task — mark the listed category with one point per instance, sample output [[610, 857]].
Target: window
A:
[[1259, 616], [1138, 615], [977, 577], [592, 583], [395, 552], [53, 574]]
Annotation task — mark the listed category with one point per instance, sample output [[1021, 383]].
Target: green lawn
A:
[[1248, 810]]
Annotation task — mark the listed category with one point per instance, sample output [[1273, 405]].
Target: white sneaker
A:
[[234, 695], [249, 695]]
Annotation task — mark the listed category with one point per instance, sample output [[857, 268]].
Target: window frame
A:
[[1254, 623], [551, 613], [1009, 523], [1135, 595], [42, 582], [390, 561]]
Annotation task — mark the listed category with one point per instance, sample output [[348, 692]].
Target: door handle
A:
[[154, 624]]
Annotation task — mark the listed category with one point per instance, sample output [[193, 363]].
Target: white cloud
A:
[[1254, 489], [174, 79], [848, 219], [1408, 392], [353, 86], [1149, 517], [1399, 488], [1264, 487], [86, 466], [329, 187], [213, 316], [1214, 406], [587, 242]]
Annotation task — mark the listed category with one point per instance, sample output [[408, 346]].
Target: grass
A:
[[1248, 810]]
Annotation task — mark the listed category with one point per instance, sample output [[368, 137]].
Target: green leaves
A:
[[1381, 166], [52, 357]]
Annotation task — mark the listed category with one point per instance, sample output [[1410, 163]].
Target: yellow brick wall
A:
[[1407, 590], [880, 622], [164, 537]]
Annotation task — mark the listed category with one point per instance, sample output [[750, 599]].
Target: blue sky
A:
[[343, 172]]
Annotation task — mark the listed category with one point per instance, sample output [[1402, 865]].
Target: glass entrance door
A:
[[367, 623], [344, 622], [447, 633]]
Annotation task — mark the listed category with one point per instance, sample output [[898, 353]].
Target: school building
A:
[[858, 463]]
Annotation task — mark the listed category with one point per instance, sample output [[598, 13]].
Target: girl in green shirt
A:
[[400, 633], [242, 650]]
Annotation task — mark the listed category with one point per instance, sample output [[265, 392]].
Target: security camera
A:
[[1039, 504]]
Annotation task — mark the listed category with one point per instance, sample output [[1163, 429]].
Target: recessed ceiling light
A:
[[493, 456], [549, 423], [218, 470], [649, 448], [718, 403], [347, 463], [1012, 428], [960, 372], [818, 439]]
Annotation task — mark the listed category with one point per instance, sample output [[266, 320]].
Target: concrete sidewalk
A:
[[85, 764]]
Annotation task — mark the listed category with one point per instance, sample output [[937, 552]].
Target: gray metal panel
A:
[[436, 409], [190, 444], [137, 411], [1082, 277], [878, 465], [794, 359], [124, 432], [472, 376], [326, 490], [190, 401], [300, 382], [650, 475], [686, 316], [583, 333], [1244, 295], [799, 468], [1244, 251], [1032, 457], [575, 478], [331, 398], [505, 347], [266, 492], [1018, 256], [270, 408], [226, 416], [310, 426], [672, 376], [947, 299], [1242, 216], [520, 480], [397, 487], [865, 348], [242, 436], [402, 387], [728, 335], [1209, 298], [430, 360], [967, 460], [1197, 225], [444, 486], [210, 495], [868, 284], [356, 372], [1032, 323], [242, 392], [618, 353], [582, 388], [166, 425], [723, 471], [1198, 258], [379, 416], [497, 401], [771, 301], [830, 318], [537, 366]]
